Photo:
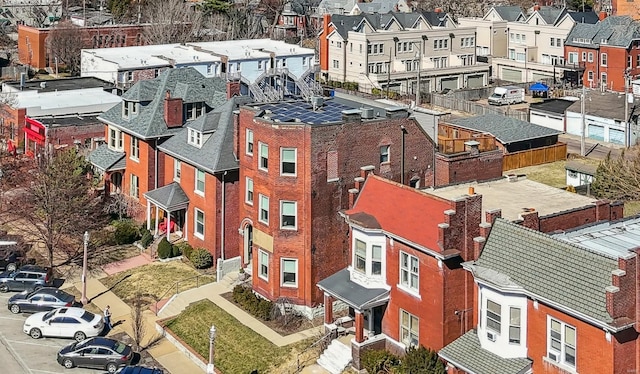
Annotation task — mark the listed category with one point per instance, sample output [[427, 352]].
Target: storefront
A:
[[35, 134]]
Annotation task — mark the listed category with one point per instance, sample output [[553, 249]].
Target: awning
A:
[[340, 286], [170, 197], [539, 87], [465, 353], [107, 159]]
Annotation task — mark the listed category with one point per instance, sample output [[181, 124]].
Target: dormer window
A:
[[194, 110], [116, 139], [195, 138], [125, 109], [368, 255]]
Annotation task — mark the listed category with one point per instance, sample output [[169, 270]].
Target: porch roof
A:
[[340, 286], [107, 159], [170, 197], [466, 353]]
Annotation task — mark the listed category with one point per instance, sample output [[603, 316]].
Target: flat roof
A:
[[253, 48], [603, 104], [52, 85], [66, 102], [614, 239], [514, 198]]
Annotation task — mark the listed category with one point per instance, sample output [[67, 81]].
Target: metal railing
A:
[[176, 287], [321, 343]]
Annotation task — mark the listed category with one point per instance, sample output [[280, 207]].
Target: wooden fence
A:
[[448, 145], [454, 103], [535, 156]]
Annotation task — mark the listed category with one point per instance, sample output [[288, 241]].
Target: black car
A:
[[11, 255], [97, 353], [42, 300], [28, 277], [139, 370]]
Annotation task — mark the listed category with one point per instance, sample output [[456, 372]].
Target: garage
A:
[[596, 132], [616, 136], [475, 81], [511, 75], [449, 83]]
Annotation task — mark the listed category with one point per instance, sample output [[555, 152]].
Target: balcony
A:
[[429, 72]]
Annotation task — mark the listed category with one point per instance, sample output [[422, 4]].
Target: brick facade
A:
[[464, 167]]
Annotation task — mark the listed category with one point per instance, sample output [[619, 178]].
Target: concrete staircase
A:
[[336, 357], [179, 302]]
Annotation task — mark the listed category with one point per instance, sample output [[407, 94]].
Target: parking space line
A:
[[12, 318], [14, 353], [34, 343], [44, 371]]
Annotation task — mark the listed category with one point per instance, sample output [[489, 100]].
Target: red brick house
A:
[[608, 51], [290, 24], [169, 147], [404, 285], [566, 304]]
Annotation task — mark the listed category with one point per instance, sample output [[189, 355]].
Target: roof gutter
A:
[[454, 363]]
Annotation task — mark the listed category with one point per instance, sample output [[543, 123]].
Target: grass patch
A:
[[153, 280], [552, 174], [238, 348], [631, 208]]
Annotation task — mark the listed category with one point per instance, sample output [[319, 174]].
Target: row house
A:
[[404, 285], [355, 7], [298, 162], [267, 69], [40, 115], [526, 48], [169, 148], [35, 52], [545, 304], [608, 50], [400, 51]]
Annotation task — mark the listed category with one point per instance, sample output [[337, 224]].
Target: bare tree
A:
[[171, 21], [137, 320], [618, 178], [65, 41], [122, 205]]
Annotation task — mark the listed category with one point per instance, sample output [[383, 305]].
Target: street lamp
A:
[[212, 338], [84, 269]]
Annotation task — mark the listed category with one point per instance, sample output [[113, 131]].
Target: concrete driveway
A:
[[19, 353]]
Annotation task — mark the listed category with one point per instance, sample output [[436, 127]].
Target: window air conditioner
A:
[[553, 356], [491, 336]]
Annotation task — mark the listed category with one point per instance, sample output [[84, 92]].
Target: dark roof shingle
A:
[[506, 129]]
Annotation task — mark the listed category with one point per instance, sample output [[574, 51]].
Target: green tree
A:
[[618, 178], [215, 6], [422, 361]]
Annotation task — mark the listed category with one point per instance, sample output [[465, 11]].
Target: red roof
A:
[[401, 210]]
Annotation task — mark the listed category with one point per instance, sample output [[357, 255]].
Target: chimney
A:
[[366, 170], [353, 194], [478, 245], [536, 8], [491, 215], [359, 182], [602, 15], [438, 10], [471, 146], [233, 88], [172, 110]]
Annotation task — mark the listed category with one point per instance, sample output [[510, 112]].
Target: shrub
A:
[[185, 249], [422, 361], [175, 251], [126, 232], [201, 258], [376, 360], [253, 304], [146, 239], [164, 248], [376, 91], [104, 237]]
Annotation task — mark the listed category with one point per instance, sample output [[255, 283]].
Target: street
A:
[[19, 353]]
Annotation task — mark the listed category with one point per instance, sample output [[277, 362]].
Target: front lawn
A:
[[238, 349], [155, 279]]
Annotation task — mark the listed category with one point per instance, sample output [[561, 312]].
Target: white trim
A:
[[134, 157], [260, 209], [177, 169], [295, 162], [260, 156], [195, 185], [295, 207], [282, 283], [246, 142], [195, 224], [260, 252], [246, 191]]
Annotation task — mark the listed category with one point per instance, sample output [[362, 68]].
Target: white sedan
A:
[[67, 322]]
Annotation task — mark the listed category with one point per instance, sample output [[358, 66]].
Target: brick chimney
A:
[[438, 10], [536, 8], [172, 110], [233, 88], [602, 15]]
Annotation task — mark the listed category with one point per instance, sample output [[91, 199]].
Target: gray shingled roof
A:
[[216, 152], [467, 354], [551, 15], [340, 286], [345, 23], [547, 269], [506, 129], [106, 159], [509, 13], [585, 17], [186, 83], [618, 31], [170, 197]]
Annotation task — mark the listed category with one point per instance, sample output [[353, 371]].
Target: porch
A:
[[169, 207], [110, 167]]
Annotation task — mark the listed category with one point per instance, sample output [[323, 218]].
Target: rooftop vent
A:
[[317, 102], [367, 113]]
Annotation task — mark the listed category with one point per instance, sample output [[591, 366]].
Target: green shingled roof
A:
[[547, 269], [467, 354]]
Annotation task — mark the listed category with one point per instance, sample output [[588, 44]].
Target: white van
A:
[[507, 95]]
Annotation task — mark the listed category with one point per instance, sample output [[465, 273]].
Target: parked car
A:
[[98, 353], [28, 277], [11, 255], [65, 322], [139, 370], [41, 300]]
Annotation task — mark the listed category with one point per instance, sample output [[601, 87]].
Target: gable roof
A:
[[584, 17], [550, 14], [106, 159], [170, 197], [345, 23], [506, 129], [617, 31], [400, 210], [342, 24], [508, 13], [185, 83], [548, 269], [216, 153]]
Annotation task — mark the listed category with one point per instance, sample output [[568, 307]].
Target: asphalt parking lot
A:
[[19, 353]]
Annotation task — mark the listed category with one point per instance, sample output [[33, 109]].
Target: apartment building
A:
[[396, 51]]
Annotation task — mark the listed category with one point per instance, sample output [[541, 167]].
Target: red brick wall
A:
[[143, 168], [465, 167], [12, 117], [616, 65], [572, 218], [67, 135]]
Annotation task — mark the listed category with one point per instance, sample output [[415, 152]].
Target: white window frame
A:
[[385, 153], [196, 187], [284, 283], [408, 274], [496, 317], [263, 268], [515, 326], [295, 162], [295, 215], [590, 76], [195, 138], [177, 169], [573, 58], [590, 57], [407, 333], [196, 222], [116, 139], [263, 200], [262, 156], [134, 149], [359, 257], [194, 110], [248, 194], [134, 186], [604, 59], [249, 142], [561, 352]]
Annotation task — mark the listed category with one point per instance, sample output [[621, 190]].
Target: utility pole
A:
[[582, 126], [389, 72], [627, 125], [419, 70]]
